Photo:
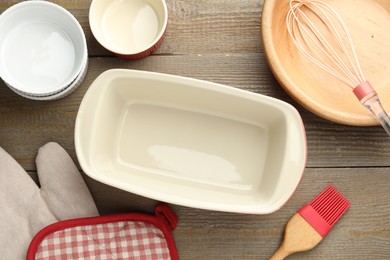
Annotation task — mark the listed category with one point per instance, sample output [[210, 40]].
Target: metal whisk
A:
[[319, 32]]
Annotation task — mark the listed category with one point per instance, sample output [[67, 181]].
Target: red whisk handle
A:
[[363, 90], [369, 98]]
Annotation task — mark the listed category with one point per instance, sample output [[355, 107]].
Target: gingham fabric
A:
[[118, 240]]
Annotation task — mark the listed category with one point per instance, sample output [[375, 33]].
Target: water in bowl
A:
[[130, 26]]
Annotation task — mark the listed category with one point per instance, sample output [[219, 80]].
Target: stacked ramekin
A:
[[43, 50]]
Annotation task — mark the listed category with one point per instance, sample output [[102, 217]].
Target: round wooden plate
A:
[[369, 24]]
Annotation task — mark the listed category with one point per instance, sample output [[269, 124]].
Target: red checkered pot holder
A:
[[121, 236]]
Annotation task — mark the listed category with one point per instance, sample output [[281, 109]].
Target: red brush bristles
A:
[[325, 210]]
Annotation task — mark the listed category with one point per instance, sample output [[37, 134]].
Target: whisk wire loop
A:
[[319, 32], [297, 31], [316, 46], [317, 39]]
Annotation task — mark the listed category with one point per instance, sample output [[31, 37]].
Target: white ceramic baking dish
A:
[[43, 49], [190, 142]]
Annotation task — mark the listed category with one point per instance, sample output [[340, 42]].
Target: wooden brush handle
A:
[[298, 236], [280, 254]]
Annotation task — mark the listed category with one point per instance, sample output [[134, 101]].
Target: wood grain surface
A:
[[220, 41]]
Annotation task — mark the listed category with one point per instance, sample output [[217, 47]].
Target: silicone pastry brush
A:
[[312, 223]]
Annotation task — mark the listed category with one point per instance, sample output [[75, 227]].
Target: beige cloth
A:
[[25, 208]]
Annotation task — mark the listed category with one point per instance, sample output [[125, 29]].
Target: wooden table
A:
[[220, 41]]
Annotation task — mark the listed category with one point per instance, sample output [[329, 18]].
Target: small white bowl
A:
[[66, 92], [190, 142], [42, 48], [130, 29]]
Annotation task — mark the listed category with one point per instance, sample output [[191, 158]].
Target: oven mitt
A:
[[115, 237], [25, 208]]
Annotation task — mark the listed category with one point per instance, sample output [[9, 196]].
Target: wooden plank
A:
[[216, 26], [362, 233], [25, 125]]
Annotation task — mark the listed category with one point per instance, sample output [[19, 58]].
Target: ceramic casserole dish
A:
[[190, 142]]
